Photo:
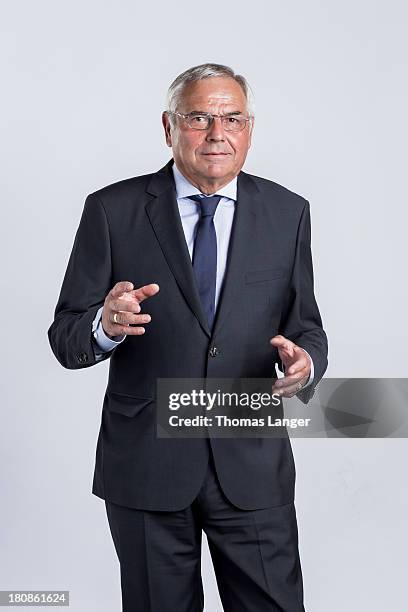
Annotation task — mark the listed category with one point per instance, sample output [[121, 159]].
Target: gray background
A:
[[83, 86]]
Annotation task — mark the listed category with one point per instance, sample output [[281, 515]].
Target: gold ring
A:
[[115, 317]]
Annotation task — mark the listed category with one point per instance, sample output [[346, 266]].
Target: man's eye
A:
[[198, 118]]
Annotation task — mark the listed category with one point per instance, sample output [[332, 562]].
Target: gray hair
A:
[[205, 71]]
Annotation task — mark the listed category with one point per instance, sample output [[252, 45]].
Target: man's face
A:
[[211, 158]]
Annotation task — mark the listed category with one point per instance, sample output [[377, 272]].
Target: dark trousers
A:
[[254, 552]]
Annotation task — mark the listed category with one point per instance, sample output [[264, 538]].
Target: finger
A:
[[146, 291], [287, 356], [288, 381], [301, 362], [124, 318], [290, 390], [120, 288], [286, 352], [120, 305], [283, 344], [278, 340], [128, 331], [130, 301]]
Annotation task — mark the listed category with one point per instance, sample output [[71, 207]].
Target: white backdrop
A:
[[83, 86]]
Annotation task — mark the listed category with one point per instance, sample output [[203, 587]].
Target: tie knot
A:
[[208, 204]]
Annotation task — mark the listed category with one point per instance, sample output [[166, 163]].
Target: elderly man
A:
[[197, 270]]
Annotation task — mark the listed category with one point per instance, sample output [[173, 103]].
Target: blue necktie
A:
[[205, 254]]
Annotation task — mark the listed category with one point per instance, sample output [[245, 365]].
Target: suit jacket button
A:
[[82, 358], [214, 351]]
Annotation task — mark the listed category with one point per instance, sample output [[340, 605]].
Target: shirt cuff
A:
[[311, 375], [103, 342]]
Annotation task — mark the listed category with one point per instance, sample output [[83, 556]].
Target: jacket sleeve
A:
[[301, 321], [86, 283]]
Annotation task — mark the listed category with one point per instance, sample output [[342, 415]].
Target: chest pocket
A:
[[263, 276]]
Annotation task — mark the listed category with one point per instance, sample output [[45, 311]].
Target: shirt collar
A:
[[185, 189]]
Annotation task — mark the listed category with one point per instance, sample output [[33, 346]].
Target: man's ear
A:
[[251, 131], [167, 128]]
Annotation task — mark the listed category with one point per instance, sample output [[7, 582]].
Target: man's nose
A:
[[216, 130]]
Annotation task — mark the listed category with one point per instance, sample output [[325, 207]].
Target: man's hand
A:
[[297, 367], [122, 307]]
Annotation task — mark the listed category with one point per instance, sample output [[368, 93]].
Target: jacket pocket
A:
[[127, 405], [261, 276]]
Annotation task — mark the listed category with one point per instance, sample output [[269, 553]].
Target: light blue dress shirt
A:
[[190, 214]]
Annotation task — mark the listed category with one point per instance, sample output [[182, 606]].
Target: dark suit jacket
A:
[[131, 230]]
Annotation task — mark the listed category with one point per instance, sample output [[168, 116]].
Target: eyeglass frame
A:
[[211, 117]]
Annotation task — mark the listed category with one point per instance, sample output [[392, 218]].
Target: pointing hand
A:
[[122, 307]]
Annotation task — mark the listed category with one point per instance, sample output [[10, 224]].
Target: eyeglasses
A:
[[203, 121]]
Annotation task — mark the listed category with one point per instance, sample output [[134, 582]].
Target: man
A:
[[197, 270]]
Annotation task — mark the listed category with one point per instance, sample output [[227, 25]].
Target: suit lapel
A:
[[243, 232], [164, 216]]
